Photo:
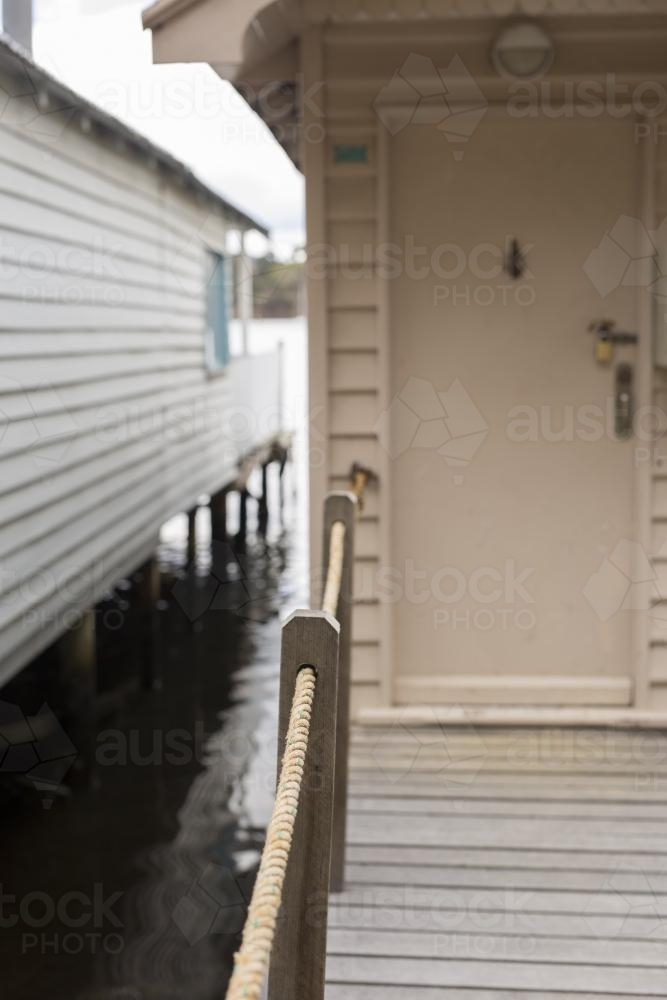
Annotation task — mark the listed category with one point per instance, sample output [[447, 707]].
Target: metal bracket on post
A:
[[341, 506], [298, 965]]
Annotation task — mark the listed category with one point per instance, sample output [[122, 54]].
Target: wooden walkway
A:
[[498, 864]]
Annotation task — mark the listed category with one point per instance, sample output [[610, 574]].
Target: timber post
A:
[[149, 590], [243, 519], [298, 964], [341, 507], [192, 536], [218, 507], [284, 458], [77, 652], [263, 506]]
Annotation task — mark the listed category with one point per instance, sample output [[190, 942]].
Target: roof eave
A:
[[163, 10], [15, 60]]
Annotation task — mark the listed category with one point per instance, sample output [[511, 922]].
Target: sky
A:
[[99, 48]]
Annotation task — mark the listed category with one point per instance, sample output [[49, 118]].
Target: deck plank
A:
[[481, 926], [498, 947], [496, 975], [520, 833], [490, 858], [634, 879], [524, 901], [592, 812], [527, 790]]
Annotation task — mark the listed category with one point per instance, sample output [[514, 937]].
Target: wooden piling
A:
[[148, 596], [283, 459], [263, 506], [218, 507], [243, 520], [77, 653], [192, 536]]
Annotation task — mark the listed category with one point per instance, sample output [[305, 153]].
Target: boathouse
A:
[[486, 204], [126, 390]]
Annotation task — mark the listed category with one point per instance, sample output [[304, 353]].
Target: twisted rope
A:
[[335, 572], [251, 963]]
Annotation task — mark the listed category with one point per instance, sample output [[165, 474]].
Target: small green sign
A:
[[351, 154]]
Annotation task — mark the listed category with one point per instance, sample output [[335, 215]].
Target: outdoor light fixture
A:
[[523, 51]]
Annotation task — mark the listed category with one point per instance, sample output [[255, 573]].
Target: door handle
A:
[[623, 401]]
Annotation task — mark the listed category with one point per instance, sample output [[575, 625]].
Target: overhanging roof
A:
[[251, 43], [228, 34], [254, 43], [163, 10]]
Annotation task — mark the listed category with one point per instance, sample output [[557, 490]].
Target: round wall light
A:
[[523, 51]]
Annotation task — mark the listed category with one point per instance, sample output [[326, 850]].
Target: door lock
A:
[[607, 337]]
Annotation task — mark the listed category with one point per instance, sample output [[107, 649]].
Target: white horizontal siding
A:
[[30, 375], [48, 219], [37, 191], [59, 344], [23, 253], [99, 426], [111, 177], [109, 420], [80, 290], [40, 628]]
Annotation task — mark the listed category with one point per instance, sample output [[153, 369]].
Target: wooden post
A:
[[17, 19], [263, 512], [77, 650], [243, 520], [284, 457], [149, 589], [341, 506], [218, 505], [298, 965], [192, 537], [245, 277]]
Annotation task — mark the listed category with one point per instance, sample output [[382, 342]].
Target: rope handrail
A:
[[335, 571], [359, 477], [251, 963]]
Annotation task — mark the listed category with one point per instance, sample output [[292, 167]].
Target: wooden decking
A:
[[503, 864]]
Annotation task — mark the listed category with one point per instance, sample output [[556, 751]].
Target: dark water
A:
[[134, 883]]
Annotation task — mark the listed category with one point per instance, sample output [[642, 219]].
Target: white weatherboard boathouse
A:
[[117, 382]]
